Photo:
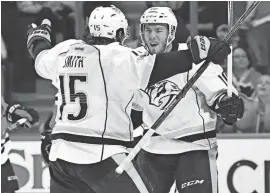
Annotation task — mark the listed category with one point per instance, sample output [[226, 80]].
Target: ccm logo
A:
[[202, 42], [190, 183]]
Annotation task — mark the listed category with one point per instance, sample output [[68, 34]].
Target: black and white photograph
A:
[[135, 96]]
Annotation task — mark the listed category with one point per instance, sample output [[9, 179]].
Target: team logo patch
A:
[[162, 93]]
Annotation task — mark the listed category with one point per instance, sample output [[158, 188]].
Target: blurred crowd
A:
[[251, 46], [16, 16], [251, 68]]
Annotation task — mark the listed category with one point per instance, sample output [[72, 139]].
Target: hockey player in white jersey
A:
[[96, 84], [184, 147]]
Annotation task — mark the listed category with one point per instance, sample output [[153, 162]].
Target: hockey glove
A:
[[17, 111], [230, 109], [203, 48], [39, 38], [46, 146]]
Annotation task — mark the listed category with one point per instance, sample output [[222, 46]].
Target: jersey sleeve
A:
[[45, 63], [136, 103], [156, 67], [212, 83], [175, 61]]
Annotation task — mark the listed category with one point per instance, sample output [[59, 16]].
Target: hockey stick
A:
[[123, 166], [230, 56], [17, 124]]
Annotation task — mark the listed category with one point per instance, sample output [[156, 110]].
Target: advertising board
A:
[[243, 164]]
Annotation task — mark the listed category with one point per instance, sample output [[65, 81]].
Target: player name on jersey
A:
[[74, 62]]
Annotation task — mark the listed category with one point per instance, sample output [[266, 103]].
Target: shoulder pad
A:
[[64, 46]]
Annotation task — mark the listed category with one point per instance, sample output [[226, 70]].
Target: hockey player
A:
[[11, 114], [96, 85], [184, 147]]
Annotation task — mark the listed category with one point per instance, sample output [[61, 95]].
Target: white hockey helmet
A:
[[159, 15], [105, 21]]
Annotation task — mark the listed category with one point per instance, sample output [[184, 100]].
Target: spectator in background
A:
[[245, 77], [223, 30], [263, 104], [258, 38], [238, 40], [256, 118]]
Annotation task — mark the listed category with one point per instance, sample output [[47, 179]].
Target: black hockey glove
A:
[[17, 111], [203, 48], [46, 146], [39, 38], [230, 109]]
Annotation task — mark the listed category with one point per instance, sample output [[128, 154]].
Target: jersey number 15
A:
[[72, 96]]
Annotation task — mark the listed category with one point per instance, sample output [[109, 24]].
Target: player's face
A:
[[263, 87], [240, 59], [221, 34], [155, 37]]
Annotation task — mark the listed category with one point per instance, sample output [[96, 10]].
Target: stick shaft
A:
[[135, 151], [230, 14], [230, 56], [230, 73]]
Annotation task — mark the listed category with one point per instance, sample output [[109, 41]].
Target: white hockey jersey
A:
[[191, 125], [86, 78], [96, 86], [90, 108]]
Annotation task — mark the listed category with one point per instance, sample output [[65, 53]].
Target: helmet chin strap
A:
[[123, 39], [169, 42], [126, 34], [144, 44]]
